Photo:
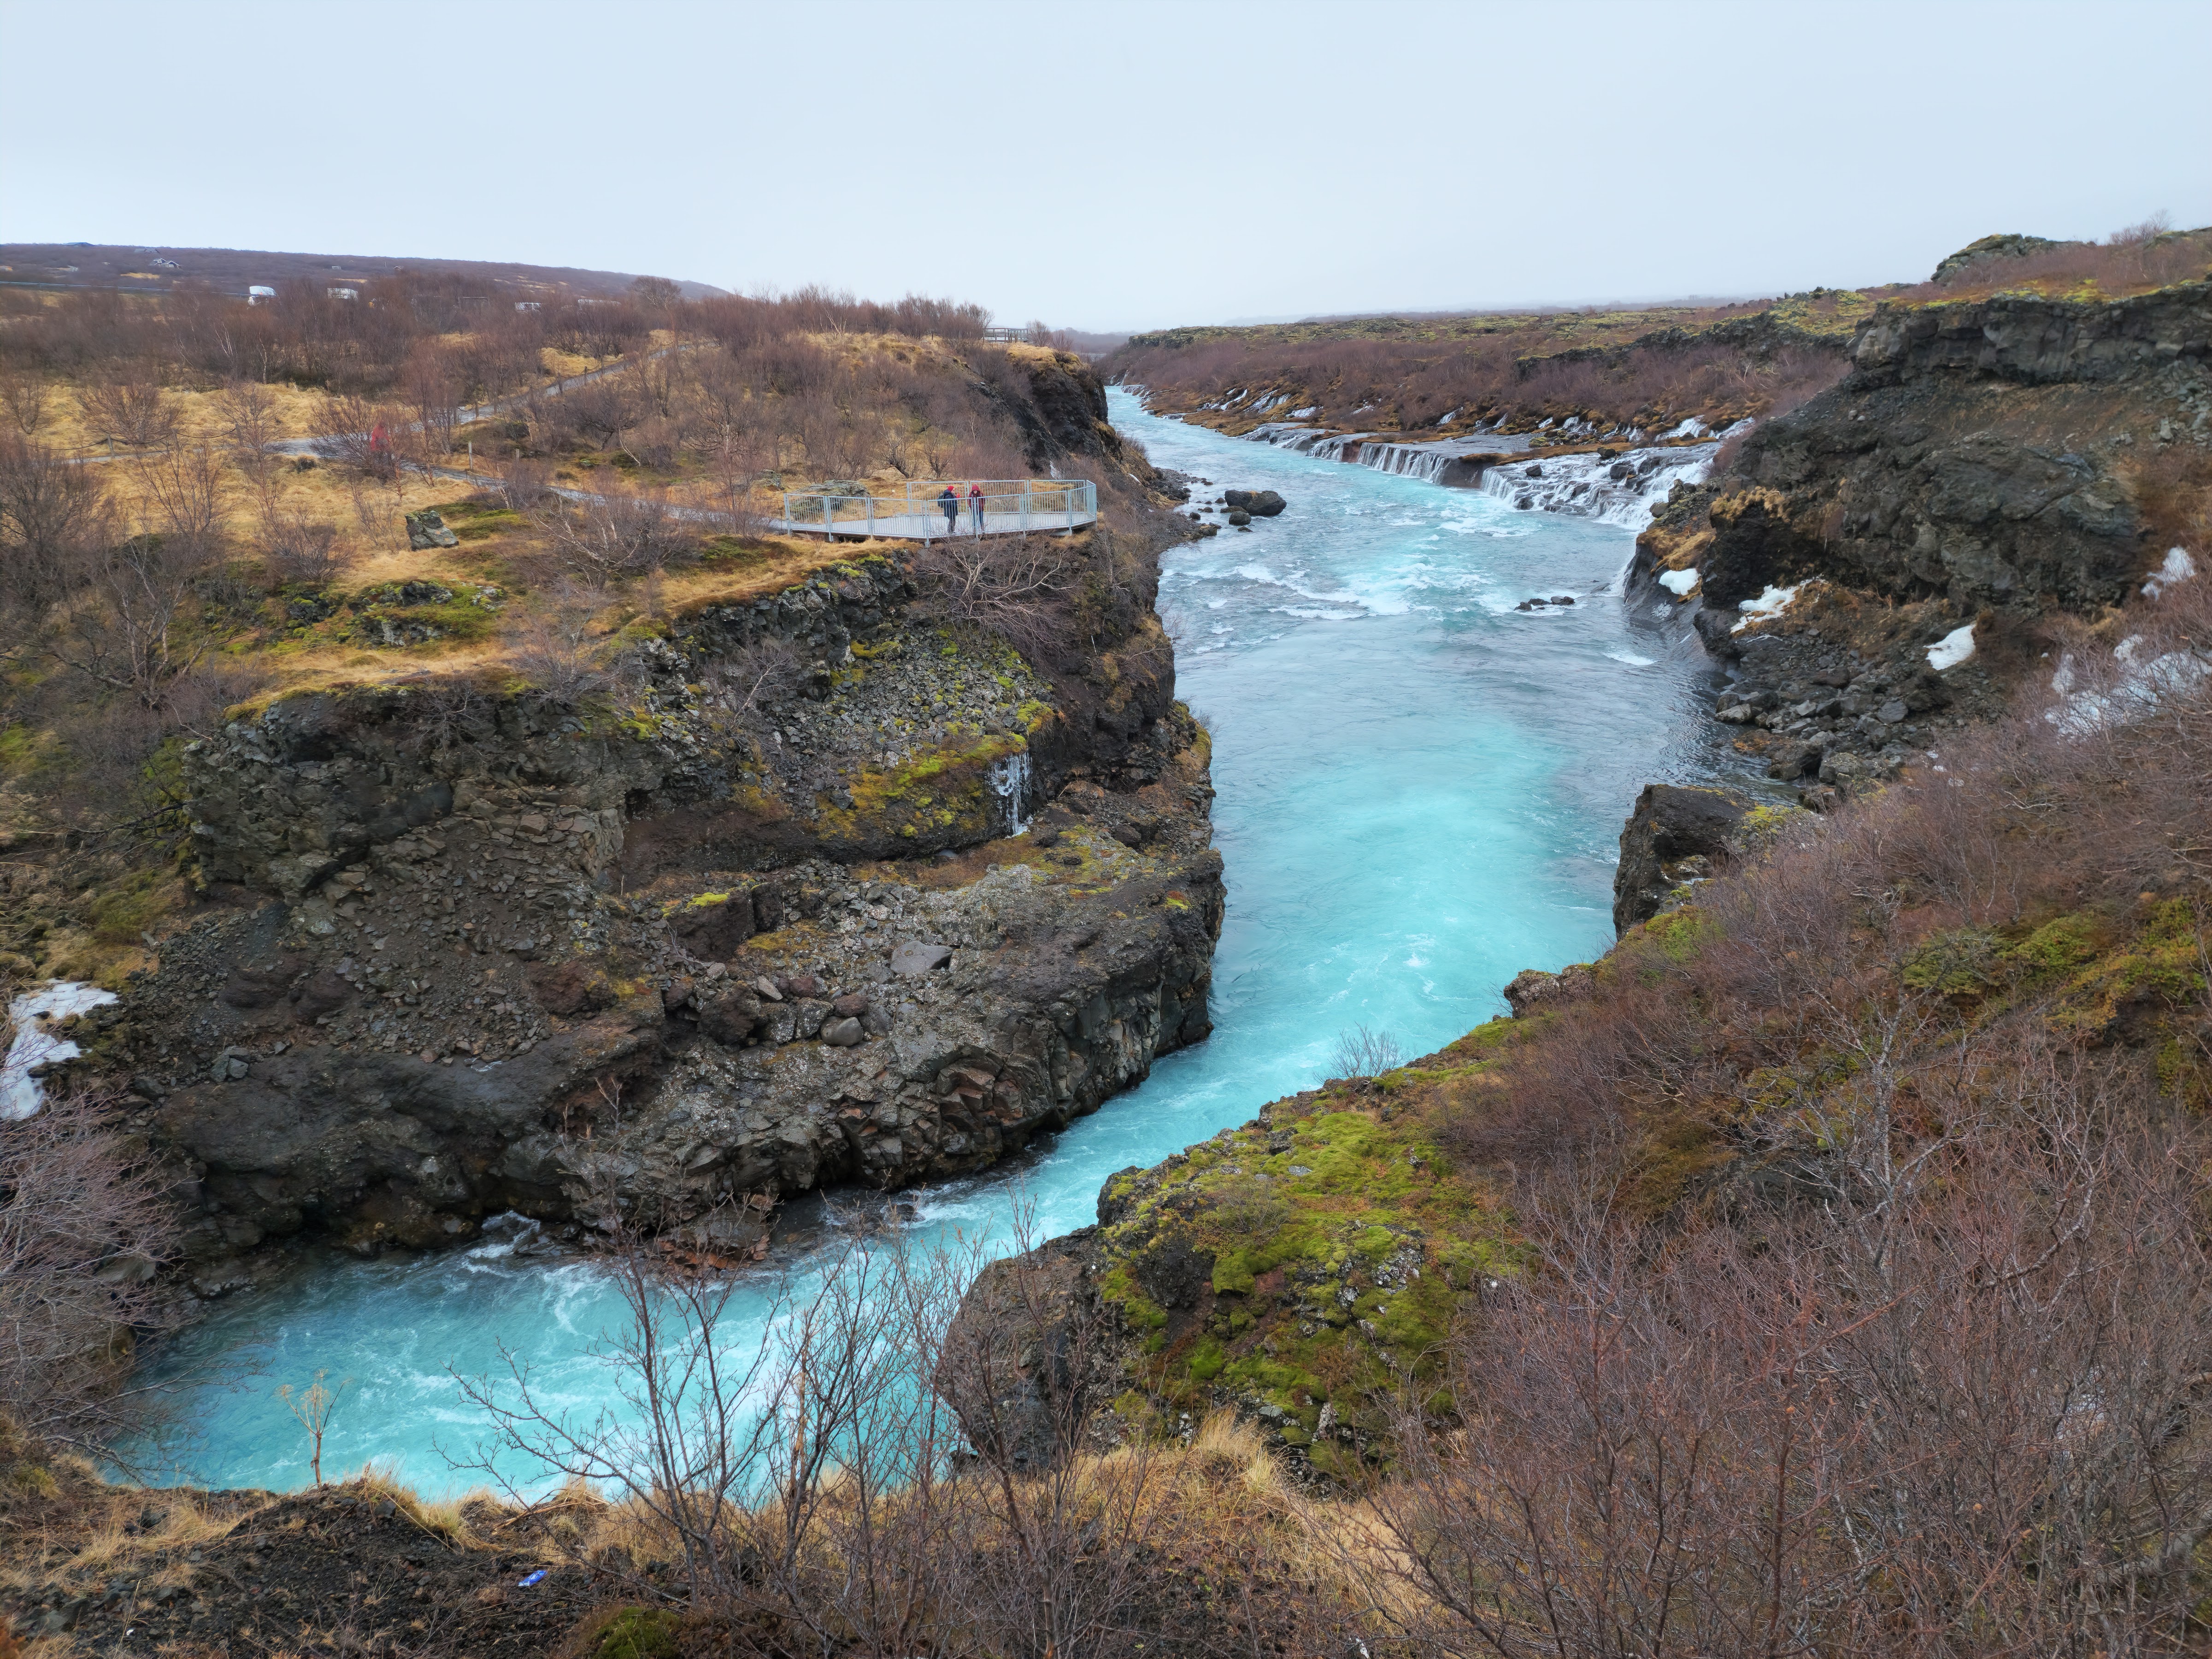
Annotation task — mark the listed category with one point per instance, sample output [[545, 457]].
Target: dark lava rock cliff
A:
[[468, 951], [2004, 452]]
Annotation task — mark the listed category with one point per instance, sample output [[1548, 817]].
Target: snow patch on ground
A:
[[1772, 603], [2178, 568], [1679, 583], [1953, 649], [32, 1014]]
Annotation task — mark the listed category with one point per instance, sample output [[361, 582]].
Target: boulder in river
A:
[[1260, 503]]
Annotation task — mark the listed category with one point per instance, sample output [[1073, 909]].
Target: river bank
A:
[[1418, 787]]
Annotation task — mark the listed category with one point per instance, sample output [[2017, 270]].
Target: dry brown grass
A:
[[457, 1521]]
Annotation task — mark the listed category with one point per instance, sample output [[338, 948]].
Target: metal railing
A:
[[1006, 506]]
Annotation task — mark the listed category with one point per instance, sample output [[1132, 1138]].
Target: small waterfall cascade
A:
[[1423, 461], [1426, 462], [1009, 783], [1299, 440], [1624, 489]]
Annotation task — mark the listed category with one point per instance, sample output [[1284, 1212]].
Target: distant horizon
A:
[[1533, 308], [1438, 159]]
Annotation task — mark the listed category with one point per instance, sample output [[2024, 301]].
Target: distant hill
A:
[[233, 270]]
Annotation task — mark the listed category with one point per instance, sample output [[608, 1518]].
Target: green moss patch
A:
[[1321, 1250], [944, 792]]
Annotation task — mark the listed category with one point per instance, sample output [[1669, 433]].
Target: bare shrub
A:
[[248, 411], [908, 1463], [449, 711], [185, 489], [733, 451], [1015, 586], [1573, 1091], [1967, 1420], [84, 1226], [748, 1463], [302, 550], [433, 398], [1361, 1052], [525, 486], [1065, 1535], [55, 519], [555, 651], [124, 633], [376, 524], [125, 405], [310, 1408], [361, 434], [24, 399], [606, 535], [740, 686]]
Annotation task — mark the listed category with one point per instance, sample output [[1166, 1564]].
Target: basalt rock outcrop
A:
[[1064, 416], [2005, 453], [470, 951], [1676, 835]]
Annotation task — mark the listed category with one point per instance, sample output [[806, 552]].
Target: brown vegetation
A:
[[1647, 369], [84, 1228], [1508, 379], [1868, 1298], [2129, 261]]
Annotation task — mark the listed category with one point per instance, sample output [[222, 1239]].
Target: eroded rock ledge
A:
[[470, 953]]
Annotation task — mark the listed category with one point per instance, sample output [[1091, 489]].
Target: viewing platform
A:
[[1007, 507]]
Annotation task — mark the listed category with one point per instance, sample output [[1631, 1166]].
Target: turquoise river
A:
[[1421, 790]]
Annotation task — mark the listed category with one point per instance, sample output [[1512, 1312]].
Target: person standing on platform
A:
[[976, 507], [949, 501]]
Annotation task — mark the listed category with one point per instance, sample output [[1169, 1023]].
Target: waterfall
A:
[[1624, 489], [1289, 434], [1009, 783], [1423, 461], [1426, 461]]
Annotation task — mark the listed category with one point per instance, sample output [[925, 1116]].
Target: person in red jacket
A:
[[976, 507]]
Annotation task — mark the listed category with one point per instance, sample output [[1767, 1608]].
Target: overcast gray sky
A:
[[1119, 165]]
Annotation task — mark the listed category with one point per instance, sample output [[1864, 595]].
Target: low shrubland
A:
[[165, 559], [1605, 371], [1864, 1301]]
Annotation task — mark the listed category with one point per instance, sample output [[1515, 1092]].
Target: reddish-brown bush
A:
[[1871, 1281]]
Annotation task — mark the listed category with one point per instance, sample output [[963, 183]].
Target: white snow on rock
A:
[[1771, 602], [2178, 568], [1679, 583], [1953, 649], [33, 1014]]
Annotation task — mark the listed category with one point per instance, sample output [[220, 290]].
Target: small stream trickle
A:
[[1009, 781]]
